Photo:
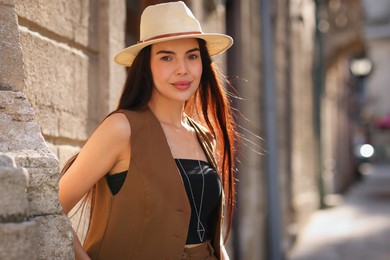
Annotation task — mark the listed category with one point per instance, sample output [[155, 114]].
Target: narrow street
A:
[[359, 228]]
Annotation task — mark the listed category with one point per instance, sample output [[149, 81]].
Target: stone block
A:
[[55, 237], [74, 125], [6, 161], [17, 138], [13, 202], [12, 73], [19, 131], [72, 20], [16, 106], [42, 159], [21, 139], [42, 191], [58, 87], [19, 241], [116, 26], [7, 2]]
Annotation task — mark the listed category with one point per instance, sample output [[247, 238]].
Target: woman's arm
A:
[[79, 253], [108, 149]]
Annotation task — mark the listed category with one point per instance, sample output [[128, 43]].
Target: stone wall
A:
[[57, 81], [32, 224], [71, 79], [14, 226]]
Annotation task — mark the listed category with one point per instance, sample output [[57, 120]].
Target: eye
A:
[[193, 56], [166, 58]]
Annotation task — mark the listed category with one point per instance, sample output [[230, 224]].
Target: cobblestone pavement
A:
[[358, 229]]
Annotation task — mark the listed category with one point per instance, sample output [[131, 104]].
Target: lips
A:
[[182, 85]]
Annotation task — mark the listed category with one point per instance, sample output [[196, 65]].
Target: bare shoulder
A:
[[116, 126], [118, 120]]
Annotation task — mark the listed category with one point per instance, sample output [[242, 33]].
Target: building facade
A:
[[58, 81]]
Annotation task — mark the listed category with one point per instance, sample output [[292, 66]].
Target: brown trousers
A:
[[204, 251]]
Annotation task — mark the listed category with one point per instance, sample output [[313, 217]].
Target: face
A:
[[176, 68]]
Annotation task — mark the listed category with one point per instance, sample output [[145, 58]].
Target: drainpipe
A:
[[270, 129], [318, 81]]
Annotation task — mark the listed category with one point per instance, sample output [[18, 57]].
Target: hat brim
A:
[[216, 43]]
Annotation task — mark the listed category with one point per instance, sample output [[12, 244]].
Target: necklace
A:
[[200, 228]]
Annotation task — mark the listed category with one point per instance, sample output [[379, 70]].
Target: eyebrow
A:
[[172, 52]]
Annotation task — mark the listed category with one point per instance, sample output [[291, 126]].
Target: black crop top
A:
[[211, 196]]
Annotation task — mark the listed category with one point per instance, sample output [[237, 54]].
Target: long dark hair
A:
[[209, 105]]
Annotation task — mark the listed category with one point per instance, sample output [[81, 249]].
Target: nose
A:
[[181, 68]]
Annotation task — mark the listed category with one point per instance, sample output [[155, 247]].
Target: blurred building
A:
[[376, 107], [293, 37], [340, 106], [355, 94], [58, 81]]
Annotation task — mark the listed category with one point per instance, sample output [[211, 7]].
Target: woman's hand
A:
[[79, 253]]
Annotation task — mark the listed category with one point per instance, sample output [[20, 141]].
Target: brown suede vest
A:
[[149, 217]]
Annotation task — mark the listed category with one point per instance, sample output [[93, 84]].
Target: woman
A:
[[155, 174]]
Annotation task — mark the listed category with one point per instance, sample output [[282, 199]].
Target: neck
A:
[[168, 113]]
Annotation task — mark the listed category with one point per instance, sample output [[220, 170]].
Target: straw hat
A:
[[171, 21]]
